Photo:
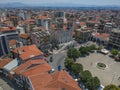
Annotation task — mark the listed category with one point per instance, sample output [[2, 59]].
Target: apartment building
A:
[[7, 34], [83, 34], [43, 21], [114, 39], [42, 40], [14, 20]]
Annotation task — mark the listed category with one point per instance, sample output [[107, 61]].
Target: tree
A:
[[114, 52], [93, 83], [92, 47], [83, 50], [68, 63], [77, 68], [73, 53], [100, 47], [85, 76], [111, 87]]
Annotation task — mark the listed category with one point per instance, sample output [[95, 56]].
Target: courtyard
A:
[[109, 75]]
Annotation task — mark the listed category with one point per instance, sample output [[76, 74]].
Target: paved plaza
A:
[[110, 75]]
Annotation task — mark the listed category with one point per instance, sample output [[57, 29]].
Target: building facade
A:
[[6, 35], [83, 35], [42, 40], [60, 36], [115, 38]]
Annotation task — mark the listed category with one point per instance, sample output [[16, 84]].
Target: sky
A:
[[84, 2]]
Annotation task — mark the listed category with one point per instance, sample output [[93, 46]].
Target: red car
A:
[[46, 55]]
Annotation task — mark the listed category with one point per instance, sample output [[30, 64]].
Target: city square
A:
[[110, 75]]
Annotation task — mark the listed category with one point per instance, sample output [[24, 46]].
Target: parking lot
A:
[[110, 75]]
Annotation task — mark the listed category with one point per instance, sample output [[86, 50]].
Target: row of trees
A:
[[74, 53], [92, 83]]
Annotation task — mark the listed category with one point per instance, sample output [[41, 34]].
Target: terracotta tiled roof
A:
[[102, 36], [23, 67], [82, 23], [8, 22], [40, 81], [7, 29], [13, 16], [37, 70], [4, 62], [12, 42], [30, 20], [42, 17], [25, 36], [57, 81], [21, 22], [63, 80], [27, 52]]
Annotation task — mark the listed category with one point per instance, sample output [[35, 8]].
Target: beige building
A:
[[83, 34], [115, 38]]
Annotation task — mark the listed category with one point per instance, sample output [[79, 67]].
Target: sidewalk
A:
[[4, 85]]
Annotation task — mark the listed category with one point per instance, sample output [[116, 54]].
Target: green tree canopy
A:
[[92, 47], [100, 47], [114, 51], [83, 50], [73, 53], [111, 87], [85, 76], [68, 63], [93, 83], [77, 68]]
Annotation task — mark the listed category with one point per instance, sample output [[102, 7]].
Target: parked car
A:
[[104, 51], [117, 58], [112, 56], [46, 55], [101, 87]]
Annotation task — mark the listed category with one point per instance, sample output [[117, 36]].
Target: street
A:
[[59, 56], [58, 60]]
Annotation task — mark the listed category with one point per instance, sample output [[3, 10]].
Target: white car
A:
[[101, 87], [104, 51]]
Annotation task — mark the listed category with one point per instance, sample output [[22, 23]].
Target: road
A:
[[58, 60], [60, 55]]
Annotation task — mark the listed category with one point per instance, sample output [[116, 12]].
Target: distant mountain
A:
[[18, 4], [71, 5], [15, 4]]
